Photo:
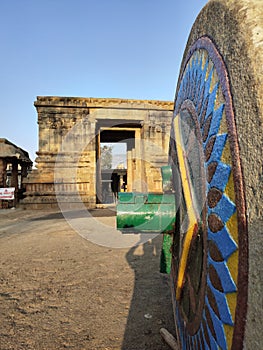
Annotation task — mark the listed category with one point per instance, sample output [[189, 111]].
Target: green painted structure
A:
[[150, 213]]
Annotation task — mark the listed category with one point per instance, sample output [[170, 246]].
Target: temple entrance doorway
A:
[[114, 147]]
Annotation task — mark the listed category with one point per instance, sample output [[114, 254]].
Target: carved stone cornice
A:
[[90, 102]]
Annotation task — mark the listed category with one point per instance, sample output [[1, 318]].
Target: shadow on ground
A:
[[77, 214], [151, 306]]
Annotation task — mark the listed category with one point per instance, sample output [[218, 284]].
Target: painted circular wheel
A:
[[209, 272]]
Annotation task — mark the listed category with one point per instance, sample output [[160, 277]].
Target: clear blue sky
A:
[[87, 48]]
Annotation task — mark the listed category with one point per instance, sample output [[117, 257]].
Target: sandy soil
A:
[[60, 291]]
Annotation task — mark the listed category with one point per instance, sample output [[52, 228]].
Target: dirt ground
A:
[[60, 291]]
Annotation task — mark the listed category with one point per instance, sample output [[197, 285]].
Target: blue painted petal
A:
[[183, 85], [193, 67], [203, 336], [204, 86], [195, 342], [204, 102], [194, 78], [225, 208], [208, 82], [221, 176], [180, 92], [213, 343], [222, 304], [218, 327], [198, 85], [179, 99], [211, 100], [222, 270], [201, 99], [218, 148], [198, 75], [180, 326], [188, 80], [205, 69], [192, 86], [195, 61], [224, 242], [189, 342], [216, 120], [200, 335]]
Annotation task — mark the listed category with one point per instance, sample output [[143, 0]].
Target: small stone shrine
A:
[[14, 167]]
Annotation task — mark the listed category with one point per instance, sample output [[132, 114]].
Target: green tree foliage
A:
[[106, 157]]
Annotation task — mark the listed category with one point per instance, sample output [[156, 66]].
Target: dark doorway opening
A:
[[112, 147]]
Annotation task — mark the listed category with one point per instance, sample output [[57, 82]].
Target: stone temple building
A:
[[71, 134], [15, 165]]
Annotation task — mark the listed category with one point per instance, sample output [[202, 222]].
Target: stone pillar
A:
[[129, 171], [14, 179], [2, 178], [24, 172], [14, 175], [138, 180], [2, 172], [121, 183]]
